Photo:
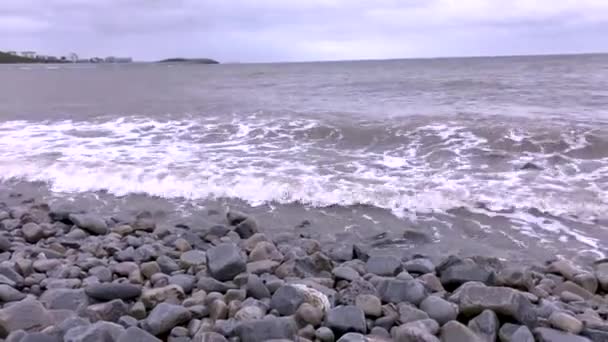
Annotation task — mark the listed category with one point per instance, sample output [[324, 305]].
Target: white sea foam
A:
[[287, 161]]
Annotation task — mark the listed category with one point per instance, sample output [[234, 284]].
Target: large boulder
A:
[[165, 317], [267, 329], [91, 223], [28, 314], [345, 319], [474, 298], [225, 261]]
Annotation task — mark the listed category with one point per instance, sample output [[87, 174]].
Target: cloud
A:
[[273, 30]]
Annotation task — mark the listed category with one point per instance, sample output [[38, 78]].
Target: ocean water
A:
[[500, 156]]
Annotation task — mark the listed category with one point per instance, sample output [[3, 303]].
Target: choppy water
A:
[[501, 154]]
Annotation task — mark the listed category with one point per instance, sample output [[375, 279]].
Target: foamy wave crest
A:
[[414, 167]]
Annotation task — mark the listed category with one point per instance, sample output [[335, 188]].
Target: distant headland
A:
[[190, 60]]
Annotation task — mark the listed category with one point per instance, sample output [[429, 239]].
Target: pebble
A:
[[165, 317], [310, 314], [439, 309], [225, 261], [370, 305], [565, 322]]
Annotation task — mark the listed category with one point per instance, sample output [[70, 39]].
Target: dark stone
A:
[[392, 290], [167, 265], [286, 300], [225, 261], [211, 285], [9, 294], [419, 265], [345, 319], [110, 291], [454, 331], [531, 166], [246, 228], [5, 244], [235, 217], [315, 265], [595, 335], [383, 265], [267, 329], [457, 272]]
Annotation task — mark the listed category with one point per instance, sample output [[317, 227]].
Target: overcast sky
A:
[[291, 30]]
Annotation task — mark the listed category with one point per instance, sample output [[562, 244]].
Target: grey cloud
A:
[[271, 30]]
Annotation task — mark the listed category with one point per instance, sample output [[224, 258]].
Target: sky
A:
[[303, 30]]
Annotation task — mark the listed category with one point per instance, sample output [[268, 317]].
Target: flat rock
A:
[[212, 285], [110, 291], [100, 331], [473, 298], [552, 335], [265, 250], [135, 334], [383, 265], [454, 331], [167, 265], [165, 317], [27, 314], [286, 300], [267, 329], [485, 326], [439, 309], [345, 319], [67, 299], [392, 290], [225, 261], [91, 223], [572, 288]]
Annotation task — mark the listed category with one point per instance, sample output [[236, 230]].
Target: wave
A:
[[419, 165]]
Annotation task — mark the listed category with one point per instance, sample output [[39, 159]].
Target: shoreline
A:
[[69, 274]]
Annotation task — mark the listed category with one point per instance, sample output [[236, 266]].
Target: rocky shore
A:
[[67, 275]]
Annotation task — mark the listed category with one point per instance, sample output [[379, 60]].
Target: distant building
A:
[[13, 53], [96, 60], [28, 54], [73, 57]]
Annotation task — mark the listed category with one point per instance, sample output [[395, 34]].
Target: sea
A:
[[496, 156]]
